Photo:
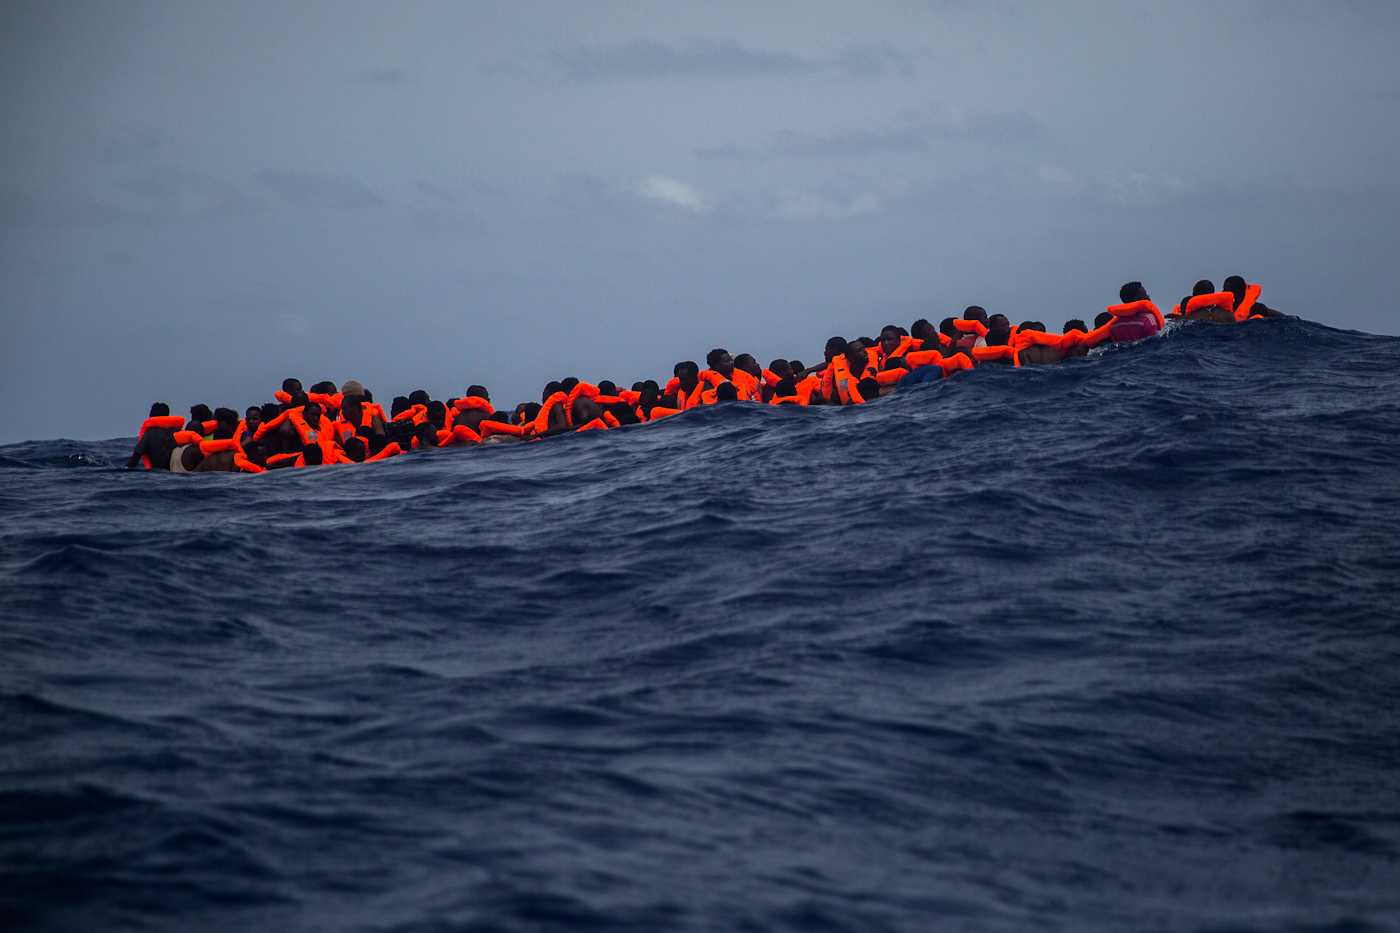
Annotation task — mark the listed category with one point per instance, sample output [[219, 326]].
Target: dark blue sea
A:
[[1109, 645]]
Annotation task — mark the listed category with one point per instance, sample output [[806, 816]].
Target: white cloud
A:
[[670, 191]]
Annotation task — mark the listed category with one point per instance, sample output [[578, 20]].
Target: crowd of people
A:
[[325, 425]]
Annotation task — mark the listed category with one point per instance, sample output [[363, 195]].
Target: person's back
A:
[[1247, 303], [1136, 316], [1206, 304], [156, 439]]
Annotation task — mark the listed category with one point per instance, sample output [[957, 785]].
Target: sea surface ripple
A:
[[1108, 645]]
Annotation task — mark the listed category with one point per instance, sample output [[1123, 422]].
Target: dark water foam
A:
[[1106, 646]]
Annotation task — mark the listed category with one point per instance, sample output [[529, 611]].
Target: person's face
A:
[[725, 365], [889, 341], [689, 381], [253, 418], [312, 414], [784, 371]]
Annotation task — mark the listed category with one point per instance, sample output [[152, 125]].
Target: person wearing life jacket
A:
[[291, 389], [617, 410], [719, 367], [971, 328], [156, 439], [201, 420], [221, 445], [1034, 346], [1136, 316], [551, 418], [1247, 303], [848, 370], [747, 377], [473, 408], [827, 395], [997, 348], [893, 344], [1206, 304], [685, 388]]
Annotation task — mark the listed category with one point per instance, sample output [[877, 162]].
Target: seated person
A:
[[1137, 317], [1206, 304], [201, 420], [726, 392], [474, 408], [747, 377], [1247, 303], [156, 439]]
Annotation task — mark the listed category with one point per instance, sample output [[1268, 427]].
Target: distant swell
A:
[[1109, 645]]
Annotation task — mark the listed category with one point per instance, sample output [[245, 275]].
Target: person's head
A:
[[947, 328], [351, 409], [398, 406], [998, 336], [650, 394], [292, 387], [528, 412], [252, 418], [868, 388], [426, 434], [1133, 291], [607, 387], [782, 369], [998, 322], [437, 414], [1075, 323], [720, 361], [637, 386], [889, 339], [270, 411], [549, 390], [919, 330], [1103, 318], [726, 392], [324, 387], [478, 392], [688, 372], [312, 414], [797, 366], [159, 410], [1235, 285], [1203, 287], [352, 388], [377, 442], [312, 454], [226, 418], [567, 384], [355, 449], [256, 452], [746, 363], [975, 313], [201, 413], [834, 348], [418, 397], [786, 387], [857, 357]]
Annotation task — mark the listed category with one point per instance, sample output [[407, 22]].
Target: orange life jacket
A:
[[169, 422], [1137, 307], [954, 363], [658, 411], [986, 354], [1224, 300], [488, 428], [1251, 295], [1093, 338], [391, 449], [748, 386], [594, 425], [541, 422], [905, 345], [770, 378], [582, 390], [281, 396]]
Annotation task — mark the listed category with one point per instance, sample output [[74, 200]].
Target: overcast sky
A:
[[197, 200]]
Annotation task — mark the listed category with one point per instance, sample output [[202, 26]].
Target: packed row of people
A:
[[325, 425]]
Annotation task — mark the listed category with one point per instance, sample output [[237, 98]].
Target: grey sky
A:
[[198, 200]]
